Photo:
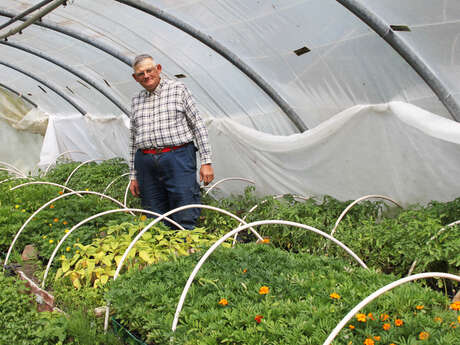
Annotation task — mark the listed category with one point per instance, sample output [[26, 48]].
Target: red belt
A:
[[163, 150]]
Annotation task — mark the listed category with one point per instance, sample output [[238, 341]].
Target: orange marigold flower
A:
[[61, 192], [334, 295], [264, 290], [384, 317], [65, 222], [351, 327], [455, 305], [258, 318], [437, 319], [370, 316], [458, 319], [419, 307], [423, 335], [51, 206], [377, 338], [361, 317], [143, 217], [245, 270], [386, 326], [266, 240], [56, 220], [369, 341], [399, 322], [223, 302]]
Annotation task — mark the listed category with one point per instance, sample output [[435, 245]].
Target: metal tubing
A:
[[139, 235], [224, 52], [344, 212], [240, 228], [46, 205], [77, 35], [34, 18], [384, 30], [75, 227], [71, 70], [19, 95], [228, 179], [25, 13], [48, 85], [381, 291]]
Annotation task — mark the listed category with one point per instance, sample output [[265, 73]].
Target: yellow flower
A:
[[78, 252], [361, 317], [223, 302], [398, 322], [67, 249], [17, 206], [264, 290], [384, 317], [143, 217], [63, 257], [23, 210], [369, 341], [44, 236], [455, 305], [50, 225], [56, 220], [86, 189], [51, 241], [66, 231], [386, 326], [423, 335], [334, 295], [419, 307], [377, 338]]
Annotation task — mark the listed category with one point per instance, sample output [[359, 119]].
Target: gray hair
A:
[[141, 58]]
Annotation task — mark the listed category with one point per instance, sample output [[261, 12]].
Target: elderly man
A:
[[165, 123]]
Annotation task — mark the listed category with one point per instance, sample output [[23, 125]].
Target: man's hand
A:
[[134, 188], [206, 174]]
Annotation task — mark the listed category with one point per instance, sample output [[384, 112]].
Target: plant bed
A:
[[255, 294]]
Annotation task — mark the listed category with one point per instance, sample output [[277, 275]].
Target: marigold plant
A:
[[264, 290]]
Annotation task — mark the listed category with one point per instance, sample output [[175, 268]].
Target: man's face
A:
[[147, 74]]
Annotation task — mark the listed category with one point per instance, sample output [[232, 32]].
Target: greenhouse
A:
[[322, 138]]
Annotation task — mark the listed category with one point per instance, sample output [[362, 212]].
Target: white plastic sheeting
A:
[[336, 88]]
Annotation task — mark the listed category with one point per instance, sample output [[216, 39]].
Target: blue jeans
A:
[[169, 180]]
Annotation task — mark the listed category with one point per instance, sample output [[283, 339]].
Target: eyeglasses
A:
[[146, 72]]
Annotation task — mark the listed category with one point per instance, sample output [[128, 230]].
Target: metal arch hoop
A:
[[139, 235], [381, 291], [71, 70], [355, 202], [60, 155], [48, 85], [228, 179], [231, 233], [113, 181], [412, 267], [384, 30], [45, 205], [75, 227], [263, 202], [12, 171], [13, 167], [78, 167], [44, 182]]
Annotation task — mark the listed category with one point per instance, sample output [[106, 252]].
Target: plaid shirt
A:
[[166, 117]]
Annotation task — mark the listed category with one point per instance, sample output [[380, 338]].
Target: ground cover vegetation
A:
[[298, 285]]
